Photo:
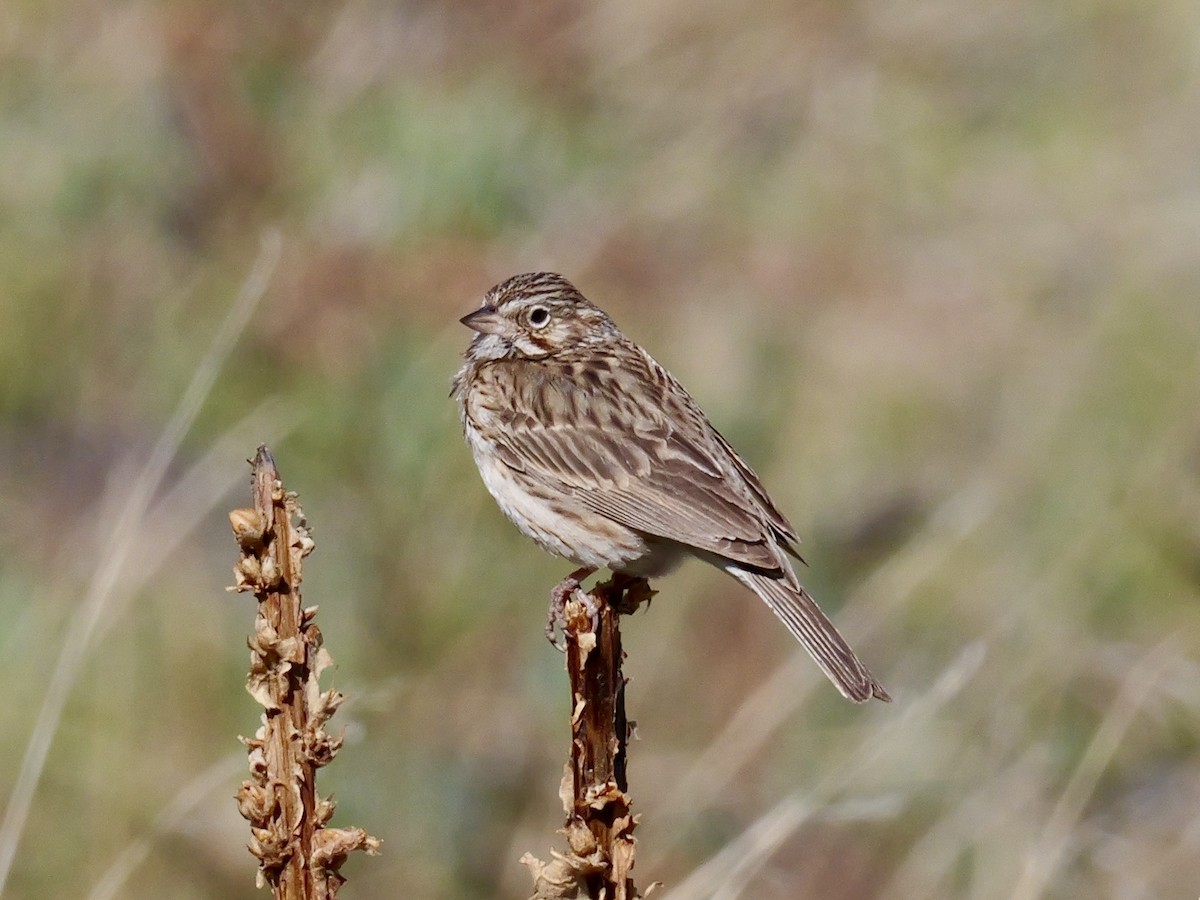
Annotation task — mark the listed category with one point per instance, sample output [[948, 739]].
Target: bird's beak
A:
[[485, 320]]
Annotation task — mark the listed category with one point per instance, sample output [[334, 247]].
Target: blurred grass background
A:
[[932, 266]]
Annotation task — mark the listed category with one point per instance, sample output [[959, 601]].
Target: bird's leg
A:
[[555, 618]]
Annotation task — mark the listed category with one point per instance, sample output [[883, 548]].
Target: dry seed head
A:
[[248, 528]]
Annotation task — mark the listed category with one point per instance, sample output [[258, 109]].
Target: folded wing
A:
[[665, 471]]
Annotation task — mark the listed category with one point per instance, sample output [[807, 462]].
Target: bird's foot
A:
[[556, 616]]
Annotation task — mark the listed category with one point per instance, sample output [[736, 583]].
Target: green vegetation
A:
[[932, 266]]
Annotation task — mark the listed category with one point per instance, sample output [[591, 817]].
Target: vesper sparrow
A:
[[596, 452]]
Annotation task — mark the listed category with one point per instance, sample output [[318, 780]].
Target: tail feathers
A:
[[812, 628]]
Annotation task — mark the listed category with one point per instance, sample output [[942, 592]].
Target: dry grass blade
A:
[[729, 871], [113, 882], [298, 856], [120, 545], [1053, 840]]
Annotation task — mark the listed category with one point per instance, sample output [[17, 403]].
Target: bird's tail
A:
[[812, 628]]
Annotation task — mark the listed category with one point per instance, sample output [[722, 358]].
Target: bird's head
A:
[[535, 316]]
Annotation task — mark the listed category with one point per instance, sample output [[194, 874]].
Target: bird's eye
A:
[[539, 316]]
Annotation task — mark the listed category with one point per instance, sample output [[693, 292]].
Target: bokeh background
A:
[[932, 265]]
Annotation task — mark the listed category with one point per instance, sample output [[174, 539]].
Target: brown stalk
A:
[[599, 829], [298, 855]]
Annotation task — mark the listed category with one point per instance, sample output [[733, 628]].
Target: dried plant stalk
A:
[[600, 824], [298, 855]]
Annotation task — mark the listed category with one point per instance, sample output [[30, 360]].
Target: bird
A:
[[597, 453]]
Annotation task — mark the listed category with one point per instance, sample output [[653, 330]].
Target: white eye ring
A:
[[539, 317]]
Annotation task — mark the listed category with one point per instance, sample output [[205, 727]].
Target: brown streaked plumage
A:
[[596, 452]]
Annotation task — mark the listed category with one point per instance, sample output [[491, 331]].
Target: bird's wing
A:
[[655, 464], [779, 522]]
